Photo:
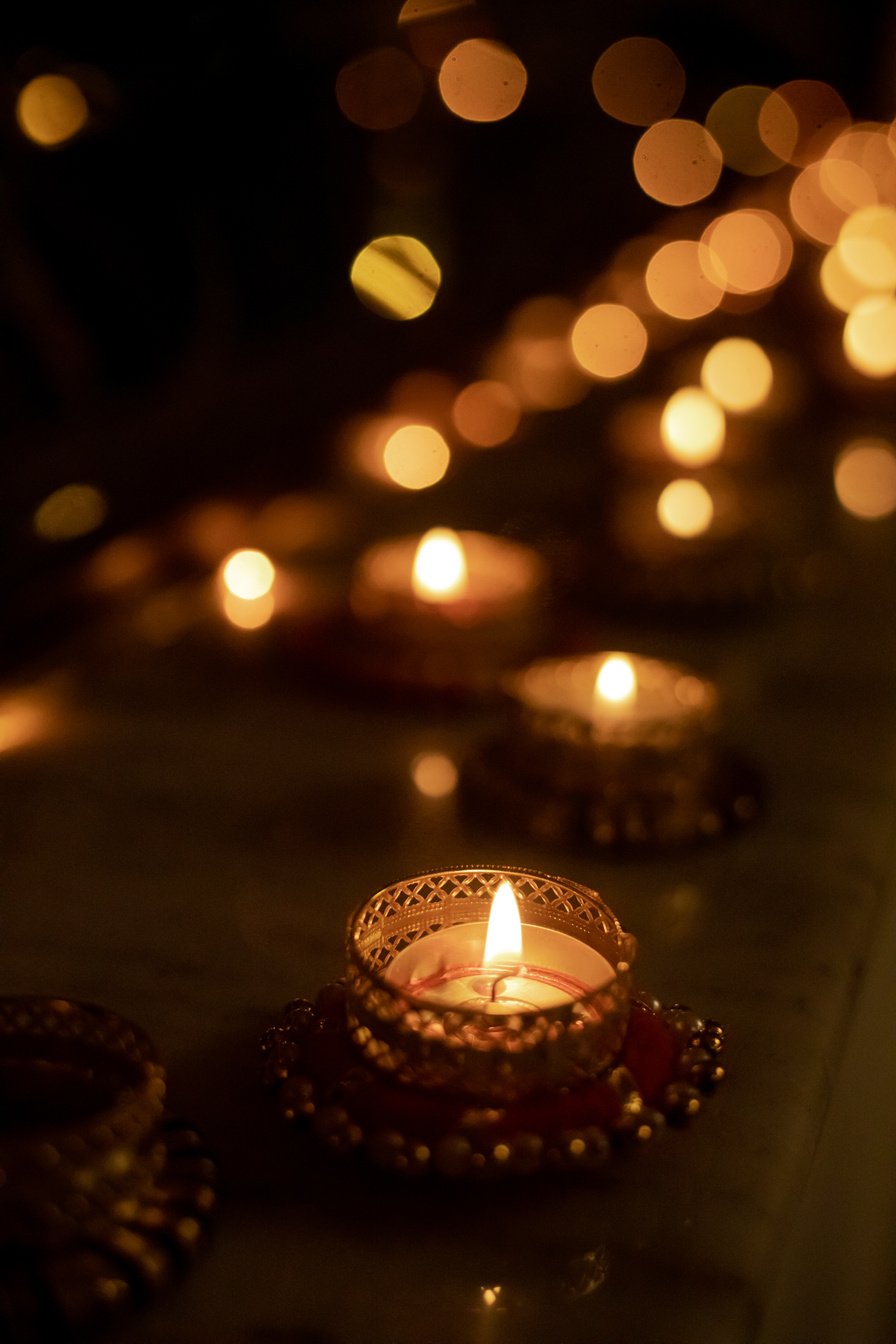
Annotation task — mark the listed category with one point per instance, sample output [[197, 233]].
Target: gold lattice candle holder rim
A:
[[413, 1041], [64, 1176]]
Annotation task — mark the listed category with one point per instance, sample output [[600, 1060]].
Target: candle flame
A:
[[504, 937], [616, 680], [440, 566]]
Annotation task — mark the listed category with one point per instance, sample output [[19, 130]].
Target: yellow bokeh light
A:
[[685, 279], [380, 89], [733, 121], [482, 80], [754, 248], [440, 566], [867, 246], [616, 681], [839, 286], [51, 109], [738, 373], [869, 336], [247, 574], [434, 774], [639, 80], [692, 427], [248, 613], [865, 478], [677, 162], [685, 508], [416, 457], [72, 511], [609, 340], [486, 413], [396, 276], [800, 119]]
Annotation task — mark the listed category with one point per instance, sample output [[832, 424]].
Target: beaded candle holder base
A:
[[668, 1061], [575, 768], [101, 1198]]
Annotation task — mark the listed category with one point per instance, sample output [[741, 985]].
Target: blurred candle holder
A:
[[445, 613], [486, 1025], [103, 1197], [610, 750]]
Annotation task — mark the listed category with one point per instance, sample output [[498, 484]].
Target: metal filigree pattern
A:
[[431, 1046]]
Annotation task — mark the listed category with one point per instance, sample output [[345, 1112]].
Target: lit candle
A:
[[501, 966]]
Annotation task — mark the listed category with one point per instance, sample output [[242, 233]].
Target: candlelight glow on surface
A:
[[616, 681], [486, 413], [869, 336], [639, 80], [416, 456], [440, 566], [482, 80], [247, 574], [738, 373], [685, 508], [609, 340], [504, 937], [677, 162], [380, 89], [685, 279], [72, 511], [396, 276], [692, 427], [51, 109], [865, 478], [248, 613], [434, 774], [733, 121]]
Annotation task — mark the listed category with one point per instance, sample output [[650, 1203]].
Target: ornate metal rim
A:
[[413, 1040]]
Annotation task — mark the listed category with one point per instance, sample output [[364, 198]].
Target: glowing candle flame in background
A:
[[616, 681], [504, 937], [440, 566]]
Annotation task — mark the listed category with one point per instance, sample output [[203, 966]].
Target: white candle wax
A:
[[447, 969]]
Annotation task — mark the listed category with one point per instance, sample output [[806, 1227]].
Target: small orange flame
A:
[[440, 566], [616, 681], [504, 936]]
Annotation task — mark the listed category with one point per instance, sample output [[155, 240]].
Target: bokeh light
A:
[[867, 246], [685, 279], [685, 508], [869, 336], [380, 89], [482, 80], [440, 565], [677, 162], [248, 574], [434, 774], [425, 395], [248, 613], [639, 80], [51, 109], [25, 716], [486, 413], [823, 194], [121, 563], [733, 122], [535, 357], [754, 248], [616, 681], [72, 511], [416, 456], [692, 427], [738, 373], [865, 478], [609, 340], [800, 119], [839, 286], [396, 276], [433, 27]]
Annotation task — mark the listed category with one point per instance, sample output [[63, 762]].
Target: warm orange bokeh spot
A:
[[839, 286], [416, 457], [677, 162], [867, 246], [869, 336], [639, 80], [738, 373], [753, 247], [481, 80], [51, 109], [865, 478], [824, 193], [685, 508], [535, 358], [685, 279], [733, 121], [609, 340], [423, 394], [486, 413], [380, 89], [692, 427], [799, 120]]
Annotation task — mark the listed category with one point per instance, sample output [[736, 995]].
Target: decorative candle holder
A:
[[102, 1196], [431, 1055], [449, 626], [642, 768]]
